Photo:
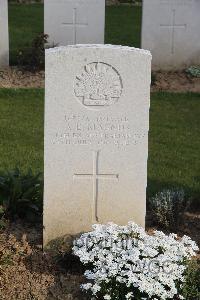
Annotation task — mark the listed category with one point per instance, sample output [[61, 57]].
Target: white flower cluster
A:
[[125, 259]]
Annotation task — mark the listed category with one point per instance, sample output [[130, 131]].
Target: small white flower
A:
[[107, 297], [152, 264], [86, 286], [129, 295]]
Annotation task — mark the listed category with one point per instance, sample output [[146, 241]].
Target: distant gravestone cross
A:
[[95, 176], [173, 28], [69, 22], [170, 30], [74, 24]]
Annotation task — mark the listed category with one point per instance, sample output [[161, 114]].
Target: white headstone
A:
[[69, 22], [96, 137], [171, 31], [4, 41]]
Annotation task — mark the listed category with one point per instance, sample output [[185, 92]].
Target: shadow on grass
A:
[[193, 194]]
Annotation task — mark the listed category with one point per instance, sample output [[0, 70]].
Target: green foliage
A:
[[194, 71], [6, 260], [127, 1], [168, 207], [153, 78], [191, 287], [2, 211], [131, 1], [20, 194], [33, 58], [25, 1], [3, 222]]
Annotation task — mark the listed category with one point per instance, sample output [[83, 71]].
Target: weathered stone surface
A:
[[170, 30], [96, 137], [69, 22], [4, 41]]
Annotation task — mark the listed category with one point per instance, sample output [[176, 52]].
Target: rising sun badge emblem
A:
[[98, 85]]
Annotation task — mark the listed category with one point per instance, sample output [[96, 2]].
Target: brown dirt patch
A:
[[26, 272], [175, 82], [14, 77]]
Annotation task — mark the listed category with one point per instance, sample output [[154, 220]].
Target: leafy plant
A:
[[193, 71], [2, 220], [153, 78], [33, 58], [168, 208], [191, 287], [6, 259], [2, 223], [20, 194], [26, 1], [130, 1]]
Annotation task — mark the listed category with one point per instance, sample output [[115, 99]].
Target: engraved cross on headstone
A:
[[173, 27], [74, 24], [95, 176]]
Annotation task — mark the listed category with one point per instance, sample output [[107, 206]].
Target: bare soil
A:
[[14, 77], [28, 273], [175, 82]]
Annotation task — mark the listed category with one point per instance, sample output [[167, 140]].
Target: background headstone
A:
[[69, 22], [4, 40], [96, 137], [170, 30]]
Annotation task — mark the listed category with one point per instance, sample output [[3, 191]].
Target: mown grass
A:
[[21, 129], [173, 140], [123, 25], [27, 21]]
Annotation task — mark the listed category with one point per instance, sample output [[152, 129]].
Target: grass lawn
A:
[[123, 25], [173, 141], [26, 21], [21, 129]]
